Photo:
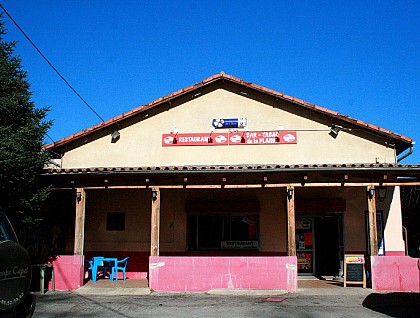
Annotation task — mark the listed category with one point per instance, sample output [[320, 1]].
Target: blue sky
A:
[[360, 58]]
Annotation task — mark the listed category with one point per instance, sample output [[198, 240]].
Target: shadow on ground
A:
[[398, 305]]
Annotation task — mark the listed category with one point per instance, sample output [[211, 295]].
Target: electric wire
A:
[[50, 138], [50, 64]]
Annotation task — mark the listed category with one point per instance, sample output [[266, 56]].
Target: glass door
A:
[[304, 246]]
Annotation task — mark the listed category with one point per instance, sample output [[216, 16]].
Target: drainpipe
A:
[[408, 153]]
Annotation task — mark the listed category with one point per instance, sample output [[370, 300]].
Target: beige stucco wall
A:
[[140, 144], [393, 222]]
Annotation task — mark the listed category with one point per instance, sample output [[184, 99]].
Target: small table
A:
[[99, 262]]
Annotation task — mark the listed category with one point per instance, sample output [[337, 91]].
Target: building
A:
[[227, 184]]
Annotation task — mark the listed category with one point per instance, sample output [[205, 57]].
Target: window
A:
[[215, 231], [115, 221], [223, 225], [379, 231], [6, 230]]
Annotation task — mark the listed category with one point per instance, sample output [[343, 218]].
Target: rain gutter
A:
[[408, 153]]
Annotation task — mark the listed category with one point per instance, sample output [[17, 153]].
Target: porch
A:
[[354, 183]]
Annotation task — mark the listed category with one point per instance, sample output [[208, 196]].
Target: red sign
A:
[[198, 139], [273, 137]]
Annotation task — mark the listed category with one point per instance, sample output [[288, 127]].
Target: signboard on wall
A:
[[273, 137], [229, 123], [242, 245]]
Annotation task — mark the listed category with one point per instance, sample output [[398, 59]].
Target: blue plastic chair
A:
[[120, 266]]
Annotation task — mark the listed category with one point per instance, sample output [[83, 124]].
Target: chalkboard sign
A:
[[354, 270]]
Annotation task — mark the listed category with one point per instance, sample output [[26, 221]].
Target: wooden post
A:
[[373, 231], [291, 237], [155, 222], [79, 230]]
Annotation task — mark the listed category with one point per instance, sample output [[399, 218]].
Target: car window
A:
[[6, 231]]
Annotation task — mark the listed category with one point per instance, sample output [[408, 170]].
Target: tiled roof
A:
[[223, 76], [233, 175], [359, 166]]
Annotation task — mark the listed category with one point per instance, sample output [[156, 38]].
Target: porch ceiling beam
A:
[[267, 185], [340, 184]]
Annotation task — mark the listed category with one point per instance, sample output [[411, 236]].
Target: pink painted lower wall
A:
[[395, 253], [132, 275], [198, 274], [400, 273], [68, 272]]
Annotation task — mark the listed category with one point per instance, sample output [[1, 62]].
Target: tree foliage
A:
[[22, 131]]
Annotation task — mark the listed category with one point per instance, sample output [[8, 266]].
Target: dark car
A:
[[15, 274]]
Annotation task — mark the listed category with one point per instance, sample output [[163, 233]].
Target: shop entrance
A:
[[319, 245]]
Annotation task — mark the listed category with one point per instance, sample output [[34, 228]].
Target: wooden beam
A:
[[347, 184], [373, 235], [155, 222], [79, 230], [244, 186], [291, 237], [192, 186], [257, 185]]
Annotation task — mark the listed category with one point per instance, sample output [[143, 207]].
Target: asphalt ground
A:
[[325, 303]]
